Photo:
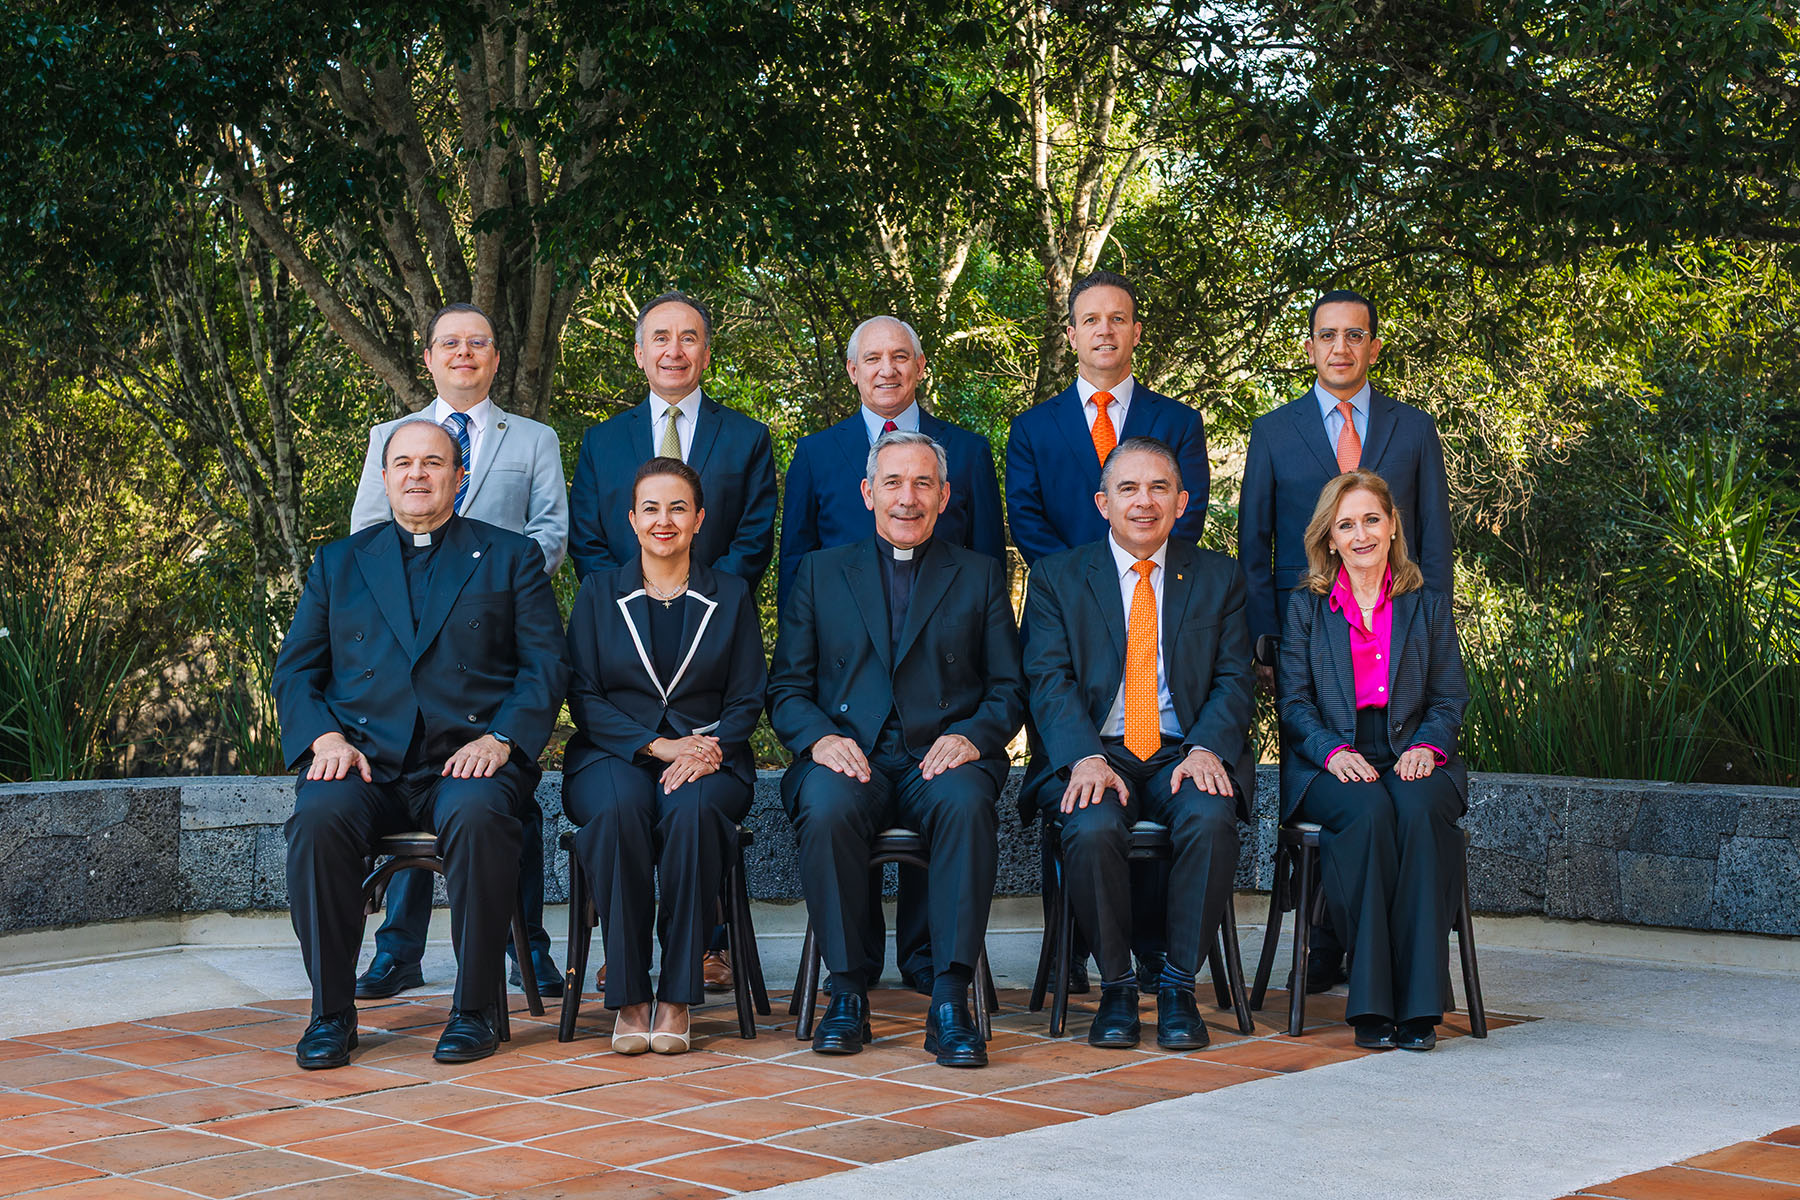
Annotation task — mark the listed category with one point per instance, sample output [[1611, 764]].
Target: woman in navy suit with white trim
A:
[[667, 687]]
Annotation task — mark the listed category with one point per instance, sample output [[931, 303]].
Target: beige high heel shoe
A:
[[669, 1042], [631, 1042]]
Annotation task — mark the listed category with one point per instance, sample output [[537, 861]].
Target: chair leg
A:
[[734, 938], [527, 974], [1265, 959], [984, 984], [1215, 959], [1234, 972], [1047, 948], [1303, 911], [1465, 944], [1065, 948], [575, 954], [751, 964], [807, 990]]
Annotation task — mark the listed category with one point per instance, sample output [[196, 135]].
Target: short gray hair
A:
[[855, 343], [1137, 445], [673, 297], [906, 437], [420, 419]]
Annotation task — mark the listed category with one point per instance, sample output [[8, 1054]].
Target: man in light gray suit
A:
[[513, 478]]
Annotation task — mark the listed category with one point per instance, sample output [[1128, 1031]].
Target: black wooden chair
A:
[[746, 965], [907, 848], [407, 851], [1149, 842], [1296, 888]]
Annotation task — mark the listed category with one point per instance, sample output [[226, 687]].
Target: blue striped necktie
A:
[[458, 425]]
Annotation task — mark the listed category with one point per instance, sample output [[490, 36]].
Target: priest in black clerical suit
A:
[[896, 683], [417, 687]]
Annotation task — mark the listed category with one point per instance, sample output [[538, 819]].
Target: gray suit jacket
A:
[[517, 484]]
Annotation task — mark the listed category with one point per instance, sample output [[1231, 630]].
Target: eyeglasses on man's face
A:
[[1351, 337], [450, 345]]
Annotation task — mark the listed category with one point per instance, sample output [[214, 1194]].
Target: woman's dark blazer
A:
[[617, 701], [1427, 690]]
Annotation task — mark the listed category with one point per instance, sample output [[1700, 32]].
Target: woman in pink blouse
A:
[[1372, 698]]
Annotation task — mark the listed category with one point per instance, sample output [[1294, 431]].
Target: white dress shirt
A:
[[689, 405], [907, 421], [480, 417], [1115, 412], [1124, 562]]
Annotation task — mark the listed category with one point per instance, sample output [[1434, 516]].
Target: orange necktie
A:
[[1105, 436], [1143, 731], [1349, 447]]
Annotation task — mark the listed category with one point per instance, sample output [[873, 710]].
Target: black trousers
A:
[[836, 818], [477, 826], [408, 918], [1096, 840], [1391, 855], [653, 858]]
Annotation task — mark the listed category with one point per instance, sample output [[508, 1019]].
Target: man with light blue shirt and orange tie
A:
[[1341, 423], [512, 477]]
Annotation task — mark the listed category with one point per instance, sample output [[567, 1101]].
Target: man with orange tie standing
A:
[[1340, 424], [1129, 729]]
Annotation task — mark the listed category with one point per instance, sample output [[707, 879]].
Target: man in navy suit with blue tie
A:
[[1053, 457], [1341, 423], [824, 507]]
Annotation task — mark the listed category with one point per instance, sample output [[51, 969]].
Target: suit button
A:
[[357, 636], [362, 720], [462, 666], [843, 708], [943, 704], [840, 662], [368, 674], [949, 658], [473, 718], [474, 624], [1398, 726]]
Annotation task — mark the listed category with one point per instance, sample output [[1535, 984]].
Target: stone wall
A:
[[1684, 856]]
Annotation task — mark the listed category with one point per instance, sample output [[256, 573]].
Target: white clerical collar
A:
[[899, 553]]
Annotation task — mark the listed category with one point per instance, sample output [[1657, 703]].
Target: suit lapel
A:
[[851, 438], [1140, 416], [1071, 422], [936, 573], [706, 433], [863, 576], [490, 450], [1406, 611], [1381, 430], [1309, 431], [1103, 581], [695, 618], [457, 559], [1178, 589], [386, 579], [1343, 670]]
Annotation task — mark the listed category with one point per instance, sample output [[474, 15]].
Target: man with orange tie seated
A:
[[1133, 729], [1053, 455], [1340, 424]]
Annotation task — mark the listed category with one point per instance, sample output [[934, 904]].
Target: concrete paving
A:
[[1631, 1065]]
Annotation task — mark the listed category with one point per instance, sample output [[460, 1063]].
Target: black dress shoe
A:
[[469, 1037], [549, 987], [388, 976], [328, 1041], [1420, 1033], [950, 1033], [1149, 971], [845, 1026], [1116, 1025], [1374, 1033], [1178, 1023], [1323, 972], [1078, 979]]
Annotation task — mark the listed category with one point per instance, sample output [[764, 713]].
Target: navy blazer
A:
[[1289, 463], [487, 655], [615, 697], [1052, 471], [824, 504], [1075, 660], [955, 668], [736, 465], [1427, 690]]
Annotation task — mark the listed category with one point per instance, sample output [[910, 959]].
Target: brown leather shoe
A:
[[715, 971], [600, 978]]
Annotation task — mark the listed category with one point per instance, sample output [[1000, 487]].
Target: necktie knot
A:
[[889, 427], [1102, 399], [1143, 567]]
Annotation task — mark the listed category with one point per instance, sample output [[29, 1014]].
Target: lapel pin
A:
[[1179, 575], [477, 554]]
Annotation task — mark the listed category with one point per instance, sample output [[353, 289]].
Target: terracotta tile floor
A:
[[210, 1104], [1765, 1169]]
